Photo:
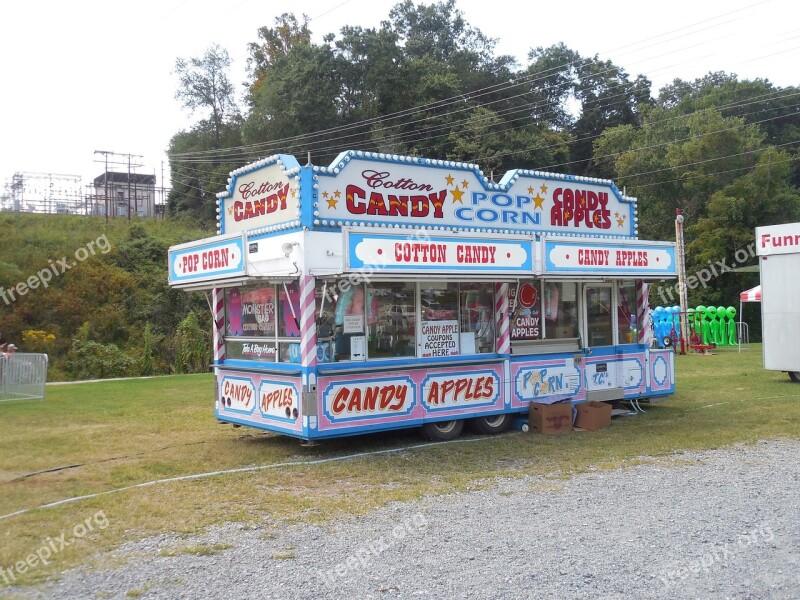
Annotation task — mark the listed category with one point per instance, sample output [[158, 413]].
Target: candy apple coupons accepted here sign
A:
[[439, 338]]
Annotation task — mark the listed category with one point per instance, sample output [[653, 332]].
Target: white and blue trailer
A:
[[385, 292]]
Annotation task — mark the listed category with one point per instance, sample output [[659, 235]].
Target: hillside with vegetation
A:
[[94, 296]]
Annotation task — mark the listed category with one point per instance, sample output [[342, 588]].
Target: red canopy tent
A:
[[751, 295]]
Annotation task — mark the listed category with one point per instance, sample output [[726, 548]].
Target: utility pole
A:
[[106, 153], [129, 187], [163, 202], [105, 177]]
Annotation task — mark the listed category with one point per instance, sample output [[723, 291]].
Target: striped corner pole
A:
[[501, 310], [643, 312], [308, 326], [218, 301]]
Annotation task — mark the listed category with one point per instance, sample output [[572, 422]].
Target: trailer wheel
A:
[[442, 431], [491, 425], [794, 376]]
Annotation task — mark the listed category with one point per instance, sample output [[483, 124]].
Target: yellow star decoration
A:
[[294, 192], [332, 202], [449, 179], [465, 184], [537, 201], [621, 221], [337, 193], [457, 194], [230, 210], [544, 189], [530, 190], [325, 195]]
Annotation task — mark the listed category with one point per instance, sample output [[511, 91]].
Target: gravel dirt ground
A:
[[716, 524]]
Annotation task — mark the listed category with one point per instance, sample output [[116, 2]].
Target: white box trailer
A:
[[779, 251]]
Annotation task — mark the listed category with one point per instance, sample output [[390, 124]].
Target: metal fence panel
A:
[[22, 376]]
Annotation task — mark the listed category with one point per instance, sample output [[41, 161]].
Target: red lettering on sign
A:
[[248, 209], [374, 398], [461, 390], [392, 205], [580, 207]]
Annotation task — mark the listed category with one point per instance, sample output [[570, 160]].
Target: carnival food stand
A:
[[384, 292]]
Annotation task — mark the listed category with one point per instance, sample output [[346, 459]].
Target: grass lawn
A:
[[114, 434]]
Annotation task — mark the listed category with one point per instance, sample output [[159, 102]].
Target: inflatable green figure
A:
[[722, 332], [710, 325], [733, 337], [698, 322]]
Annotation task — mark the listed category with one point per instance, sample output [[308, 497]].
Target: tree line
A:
[[424, 83], [427, 83]]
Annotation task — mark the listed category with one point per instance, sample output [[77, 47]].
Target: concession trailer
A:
[[778, 249], [384, 292]]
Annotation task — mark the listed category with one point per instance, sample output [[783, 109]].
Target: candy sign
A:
[[437, 253], [375, 188], [368, 399], [237, 394], [260, 197]]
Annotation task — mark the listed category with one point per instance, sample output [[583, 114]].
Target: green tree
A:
[[193, 349], [203, 84]]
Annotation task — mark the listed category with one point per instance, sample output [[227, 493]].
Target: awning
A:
[[751, 295]]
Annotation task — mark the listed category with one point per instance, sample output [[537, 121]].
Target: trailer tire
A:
[[491, 425], [442, 431], [794, 376]]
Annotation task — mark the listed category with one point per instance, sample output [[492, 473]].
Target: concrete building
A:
[[121, 194]]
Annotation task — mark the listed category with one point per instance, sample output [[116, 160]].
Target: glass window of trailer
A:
[[385, 320], [560, 310], [627, 327], [262, 323]]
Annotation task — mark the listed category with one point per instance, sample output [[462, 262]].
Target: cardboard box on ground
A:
[[550, 419], [593, 415]]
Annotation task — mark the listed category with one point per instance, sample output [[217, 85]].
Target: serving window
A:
[[627, 327], [382, 320], [543, 310], [262, 322]]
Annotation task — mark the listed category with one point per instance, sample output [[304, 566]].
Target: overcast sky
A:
[[84, 75]]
